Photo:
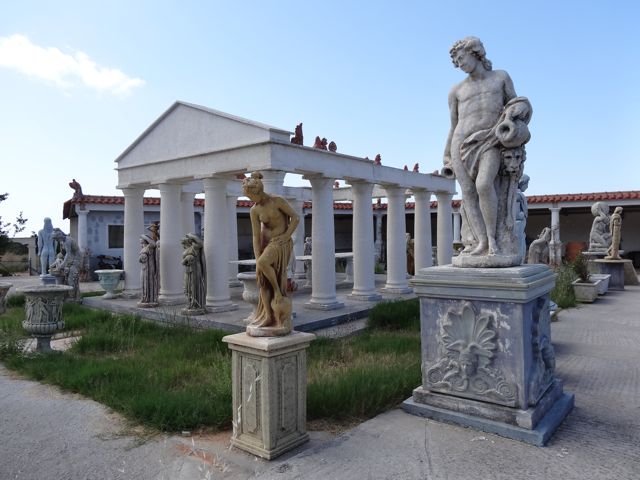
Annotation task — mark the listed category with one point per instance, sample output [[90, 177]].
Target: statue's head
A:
[[618, 210], [474, 46], [468, 362], [513, 160], [599, 209], [252, 186], [47, 224], [546, 234], [58, 234]]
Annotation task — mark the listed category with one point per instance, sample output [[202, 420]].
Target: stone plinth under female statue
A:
[[487, 357], [269, 359]]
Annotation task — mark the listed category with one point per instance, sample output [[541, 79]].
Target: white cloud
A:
[[65, 70]]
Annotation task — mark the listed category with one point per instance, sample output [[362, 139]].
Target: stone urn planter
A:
[[250, 293], [4, 288], [43, 312], [585, 292], [602, 280], [109, 280]]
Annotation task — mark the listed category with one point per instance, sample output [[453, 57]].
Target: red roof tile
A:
[[532, 199]]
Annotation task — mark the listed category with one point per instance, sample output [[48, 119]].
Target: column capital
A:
[[133, 191], [555, 209], [215, 182]]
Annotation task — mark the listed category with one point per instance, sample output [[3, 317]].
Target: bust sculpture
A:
[[149, 272], [485, 153], [71, 262], [195, 275], [46, 246], [600, 236], [615, 226], [273, 222]]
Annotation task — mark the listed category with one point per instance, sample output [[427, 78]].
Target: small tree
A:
[[8, 228]]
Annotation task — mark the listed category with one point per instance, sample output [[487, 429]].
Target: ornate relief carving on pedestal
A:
[[543, 365], [466, 349]]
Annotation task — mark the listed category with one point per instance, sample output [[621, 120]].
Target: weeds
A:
[[174, 378], [562, 292]]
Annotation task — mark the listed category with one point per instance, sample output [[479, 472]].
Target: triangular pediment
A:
[[187, 130]]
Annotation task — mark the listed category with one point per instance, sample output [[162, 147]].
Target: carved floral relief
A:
[[467, 346]]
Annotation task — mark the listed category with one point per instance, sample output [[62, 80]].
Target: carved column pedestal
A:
[[487, 357], [269, 392]]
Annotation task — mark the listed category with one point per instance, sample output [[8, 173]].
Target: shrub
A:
[[581, 268], [563, 293]]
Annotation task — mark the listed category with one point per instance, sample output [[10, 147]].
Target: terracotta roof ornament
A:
[[297, 138]]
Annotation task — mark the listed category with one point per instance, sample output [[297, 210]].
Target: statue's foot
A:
[[480, 249]]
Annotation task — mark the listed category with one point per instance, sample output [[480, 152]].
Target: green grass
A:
[[175, 378], [396, 315]]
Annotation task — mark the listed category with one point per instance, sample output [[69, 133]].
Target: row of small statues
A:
[[67, 264], [606, 230]]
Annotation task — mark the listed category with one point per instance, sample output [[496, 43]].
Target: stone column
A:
[[323, 289], [232, 212], [216, 245], [171, 269], [457, 217], [396, 242], [187, 212], [445, 234], [133, 228], [364, 287], [555, 245], [422, 230], [82, 228], [378, 243], [298, 242]]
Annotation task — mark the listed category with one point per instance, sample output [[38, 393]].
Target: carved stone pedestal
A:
[[269, 392], [615, 268], [487, 357]]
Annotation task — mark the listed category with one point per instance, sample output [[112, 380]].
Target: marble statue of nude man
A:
[[476, 105]]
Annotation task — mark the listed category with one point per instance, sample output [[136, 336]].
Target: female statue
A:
[[149, 274], [195, 275], [615, 225], [273, 221]]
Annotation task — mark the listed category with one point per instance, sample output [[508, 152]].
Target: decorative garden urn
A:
[[43, 309], [109, 280]]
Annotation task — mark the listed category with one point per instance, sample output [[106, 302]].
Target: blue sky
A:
[[79, 81]]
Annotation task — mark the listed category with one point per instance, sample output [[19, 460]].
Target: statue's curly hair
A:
[[474, 46]]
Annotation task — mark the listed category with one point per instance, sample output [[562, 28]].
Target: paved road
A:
[[48, 434]]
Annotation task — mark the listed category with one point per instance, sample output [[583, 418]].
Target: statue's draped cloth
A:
[[281, 251]]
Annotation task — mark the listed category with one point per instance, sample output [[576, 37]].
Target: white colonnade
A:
[[396, 241], [171, 286], [422, 229], [445, 233], [216, 244], [133, 228], [323, 289], [362, 245]]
